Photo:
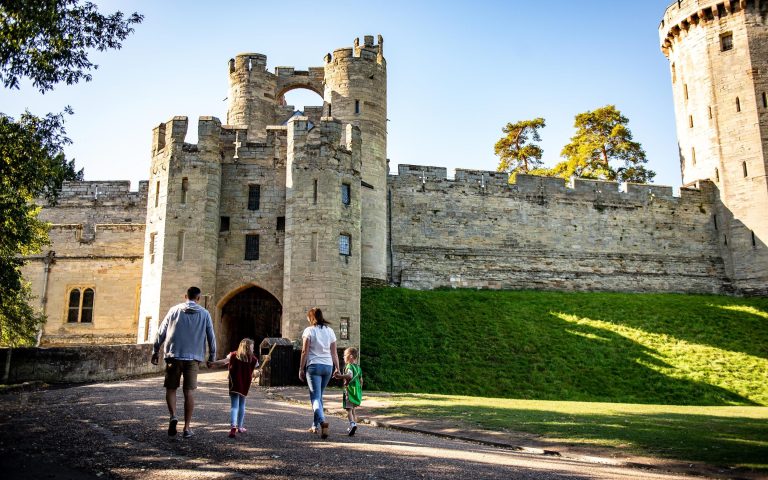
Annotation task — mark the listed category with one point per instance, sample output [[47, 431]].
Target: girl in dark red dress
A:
[[241, 367]]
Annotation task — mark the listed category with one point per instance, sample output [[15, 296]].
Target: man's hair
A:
[[193, 293]]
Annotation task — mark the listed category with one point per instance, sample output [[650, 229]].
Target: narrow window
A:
[[714, 220], [345, 244], [329, 110], [725, 239], [744, 169], [280, 224], [717, 175], [738, 104], [223, 224], [251, 247], [147, 323], [152, 247], [184, 188], [690, 121], [313, 248], [721, 11], [254, 197], [726, 42], [74, 306], [693, 156], [346, 197], [710, 112], [685, 90], [357, 107], [86, 316], [765, 100], [754, 240], [314, 193], [674, 73], [344, 328], [157, 194], [180, 246]]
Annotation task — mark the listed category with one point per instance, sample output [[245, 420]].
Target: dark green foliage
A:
[[48, 41], [632, 348], [32, 164]]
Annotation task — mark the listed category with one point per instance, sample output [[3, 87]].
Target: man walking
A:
[[185, 330]]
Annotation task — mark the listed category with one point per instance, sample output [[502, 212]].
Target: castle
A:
[[277, 211]]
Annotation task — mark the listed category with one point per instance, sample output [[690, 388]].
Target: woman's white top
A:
[[320, 340]]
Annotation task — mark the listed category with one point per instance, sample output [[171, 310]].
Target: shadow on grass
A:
[[712, 439], [728, 323], [513, 345]]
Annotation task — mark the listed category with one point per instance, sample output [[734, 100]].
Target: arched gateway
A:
[[254, 313]]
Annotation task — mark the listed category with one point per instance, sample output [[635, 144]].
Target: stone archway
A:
[[254, 313]]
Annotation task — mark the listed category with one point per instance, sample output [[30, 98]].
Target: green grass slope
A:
[[607, 347]]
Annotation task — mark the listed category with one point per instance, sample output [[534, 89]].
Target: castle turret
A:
[[182, 219], [322, 227], [251, 99], [356, 93], [718, 54]]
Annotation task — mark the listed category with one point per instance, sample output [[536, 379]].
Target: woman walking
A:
[[319, 362]]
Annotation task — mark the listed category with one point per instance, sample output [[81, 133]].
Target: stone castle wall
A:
[[97, 238], [478, 231]]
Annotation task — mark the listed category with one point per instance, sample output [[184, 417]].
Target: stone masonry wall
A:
[[77, 364], [97, 235], [477, 231]]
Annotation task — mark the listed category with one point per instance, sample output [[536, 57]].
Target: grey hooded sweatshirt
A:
[[185, 331]]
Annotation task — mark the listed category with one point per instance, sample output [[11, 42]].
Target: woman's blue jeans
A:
[[318, 377], [237, 412]]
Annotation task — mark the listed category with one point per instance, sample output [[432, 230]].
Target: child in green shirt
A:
[[353, 387]]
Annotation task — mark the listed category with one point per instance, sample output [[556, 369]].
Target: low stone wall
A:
[[76, 364]]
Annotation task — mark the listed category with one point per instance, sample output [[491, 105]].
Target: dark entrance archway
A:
[[254, 313]]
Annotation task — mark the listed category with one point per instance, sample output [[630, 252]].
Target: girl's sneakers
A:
[[233, 432], [324, 430], [313, 429]]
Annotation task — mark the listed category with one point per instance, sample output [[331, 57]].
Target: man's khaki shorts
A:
[[174, 369]]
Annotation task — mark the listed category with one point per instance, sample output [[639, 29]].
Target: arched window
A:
[[80, 308], [73, 313]]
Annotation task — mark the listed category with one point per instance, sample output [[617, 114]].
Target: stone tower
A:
[[182, 217], [356, 92], [718, 55]]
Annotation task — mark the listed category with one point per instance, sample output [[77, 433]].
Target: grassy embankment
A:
[[529, 361]]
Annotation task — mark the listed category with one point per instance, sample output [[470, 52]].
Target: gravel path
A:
[[118, 430]]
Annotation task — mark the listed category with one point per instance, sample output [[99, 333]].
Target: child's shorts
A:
[[346, 403]]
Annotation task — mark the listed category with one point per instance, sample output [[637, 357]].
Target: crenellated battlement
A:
[[102, 192], [368, 52], [683, 15], [483, 182]]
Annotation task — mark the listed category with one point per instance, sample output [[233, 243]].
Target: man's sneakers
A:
[[352, 429], [172, 426], [187, 434], [233, 432]]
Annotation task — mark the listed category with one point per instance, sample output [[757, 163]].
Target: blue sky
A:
[[457, 73]]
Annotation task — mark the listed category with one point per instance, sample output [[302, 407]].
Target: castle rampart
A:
[[477, 232]]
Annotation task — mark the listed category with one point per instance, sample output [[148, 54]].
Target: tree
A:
[[46, 41], [516, 151], [603, 140]]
